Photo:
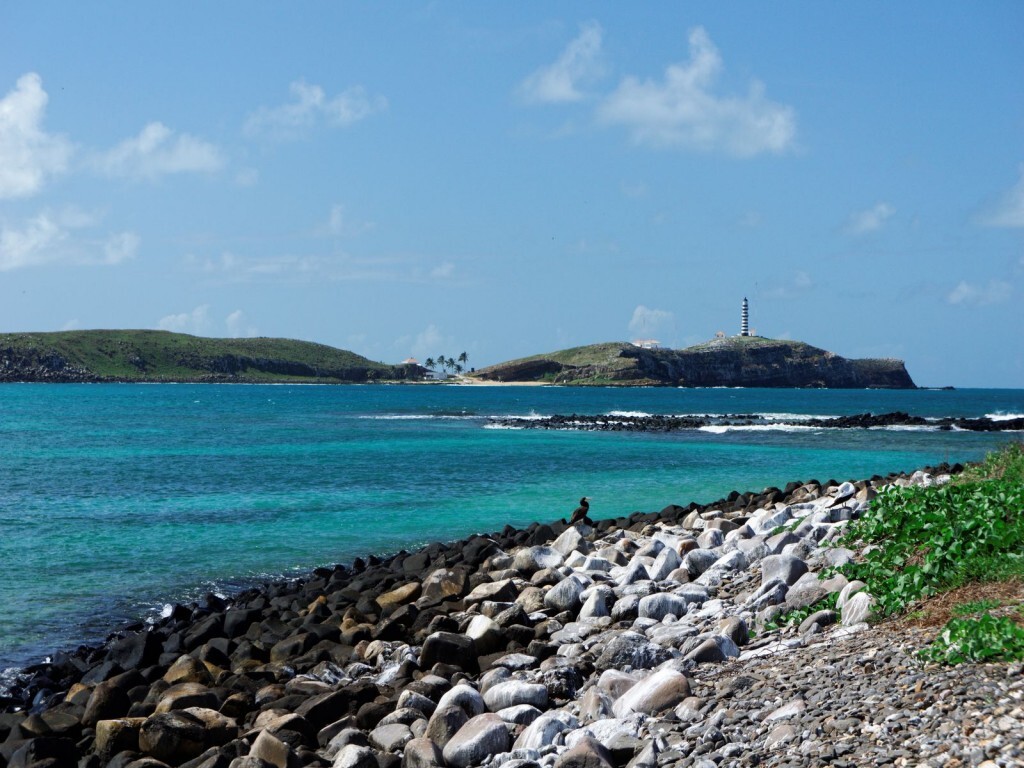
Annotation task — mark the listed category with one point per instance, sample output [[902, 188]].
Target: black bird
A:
[[579, 515]]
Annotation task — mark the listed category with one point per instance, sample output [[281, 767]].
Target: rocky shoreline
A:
[[637, 642], [668, 423]]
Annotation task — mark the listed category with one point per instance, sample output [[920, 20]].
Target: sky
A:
[[423, 179]]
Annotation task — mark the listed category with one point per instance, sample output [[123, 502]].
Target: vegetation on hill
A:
[[142, 355]]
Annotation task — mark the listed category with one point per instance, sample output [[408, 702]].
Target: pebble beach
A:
[[632, 642]]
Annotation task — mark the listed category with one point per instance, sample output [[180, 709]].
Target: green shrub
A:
[[983, 639], [929, 539]]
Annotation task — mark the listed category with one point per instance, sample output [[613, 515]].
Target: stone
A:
[[659, 691], [390, 738], [823, 618], [502, 591], [422, 753], [449, 648], [271, 750], [519, 714], [108, 701], [633, 650], [482, 736], [182, 734], [697, 561], [784, 567], [780, 736], [714, 649], [187, 670], [541, 732], [596, 604], [569, 541], [442, 584], [532, 559], [487, 636], [666, 562], [355, 756], [588, 752], [184, 695], [466, 698], [565, 596], [662, 604], [735, 629], [113, 736], [514, 692], [399, 596], [858, 608], [445, 723]]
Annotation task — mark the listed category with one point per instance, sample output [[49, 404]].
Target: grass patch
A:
[[960, 540]]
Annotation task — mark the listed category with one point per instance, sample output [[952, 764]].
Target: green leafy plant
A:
[[928, 539], [982, 639], [977, 606]]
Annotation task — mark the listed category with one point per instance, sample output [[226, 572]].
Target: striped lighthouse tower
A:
[[745, 318]]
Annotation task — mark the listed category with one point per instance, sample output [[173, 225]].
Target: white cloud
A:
[[339, 223], [559, 82], [237, 327], [428, 343], [27, 153], [157, 151], [56, 238], [1009, 211], [799, 285], [310, 106], [870, 220], [683, 110], [247, 177], [443, 271], [971, 295], [650, 322], [195, 322]]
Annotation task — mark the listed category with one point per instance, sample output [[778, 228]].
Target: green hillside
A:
[[141, 355]]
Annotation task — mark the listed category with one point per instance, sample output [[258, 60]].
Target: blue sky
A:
[[424, 179]]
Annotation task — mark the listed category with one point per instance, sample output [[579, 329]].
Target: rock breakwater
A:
[[670, 423], [642, 641]]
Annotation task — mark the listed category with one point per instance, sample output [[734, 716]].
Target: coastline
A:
[[544, 632]]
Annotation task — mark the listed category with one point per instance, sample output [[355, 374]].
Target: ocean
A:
[[118, 500]]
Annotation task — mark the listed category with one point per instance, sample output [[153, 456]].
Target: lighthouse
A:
[[745, 319]]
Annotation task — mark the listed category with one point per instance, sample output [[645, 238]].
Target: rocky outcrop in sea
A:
[[670, 423], [637, 642]]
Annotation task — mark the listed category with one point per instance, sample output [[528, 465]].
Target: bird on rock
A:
[[579, 515]]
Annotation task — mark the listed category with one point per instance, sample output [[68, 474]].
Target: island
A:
[[97, 356], [735, 361]]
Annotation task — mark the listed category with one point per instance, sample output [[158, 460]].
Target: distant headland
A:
[[736, 361], [162, 356]]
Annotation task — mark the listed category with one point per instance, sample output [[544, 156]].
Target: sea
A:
[[117, 501]]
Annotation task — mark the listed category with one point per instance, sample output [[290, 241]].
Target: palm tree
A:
[[464, 358], [458, 368], [429, 363]]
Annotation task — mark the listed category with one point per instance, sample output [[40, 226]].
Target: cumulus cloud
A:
[[972, 295], [340, 224], [62, 238], [650, 322], [28, 155], [683, 110], [237, 326], [870, 220], [797, 286], [196, 322], [158, 151], [427, 343], [310, 106], [443, 271], [560, 82], [1009, 211]]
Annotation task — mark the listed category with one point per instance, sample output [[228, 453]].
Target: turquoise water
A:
[[117, 499]]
